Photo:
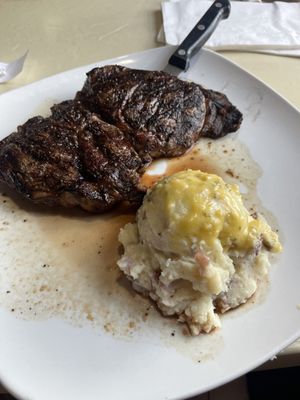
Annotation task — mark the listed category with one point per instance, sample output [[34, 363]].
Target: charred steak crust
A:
[[221, 116], [71, 158], [163, 115], [91, 151]]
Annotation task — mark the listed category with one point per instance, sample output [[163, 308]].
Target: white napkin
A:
[[260, 27], [10, 70]]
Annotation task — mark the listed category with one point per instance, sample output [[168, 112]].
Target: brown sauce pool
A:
[[191, 160], [62, 264]]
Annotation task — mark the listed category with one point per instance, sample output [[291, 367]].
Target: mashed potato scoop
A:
[[195, 249]]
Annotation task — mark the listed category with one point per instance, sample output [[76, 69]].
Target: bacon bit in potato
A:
[[202, 260]]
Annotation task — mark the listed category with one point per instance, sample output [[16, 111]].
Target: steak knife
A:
[[180, 59]]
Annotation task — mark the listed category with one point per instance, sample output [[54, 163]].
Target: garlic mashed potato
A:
[[195, 249]]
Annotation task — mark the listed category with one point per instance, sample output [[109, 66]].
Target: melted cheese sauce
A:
[[201, 206]]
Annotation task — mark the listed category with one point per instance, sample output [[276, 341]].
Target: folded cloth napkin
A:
[[252, 26]]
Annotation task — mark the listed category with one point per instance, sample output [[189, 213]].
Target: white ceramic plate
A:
[[51, 358]]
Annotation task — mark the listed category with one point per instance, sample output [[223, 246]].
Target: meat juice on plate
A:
[[63, 264]]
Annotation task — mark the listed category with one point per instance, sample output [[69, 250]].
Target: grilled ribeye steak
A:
[[71, 158], [92, 150], [162, 115]]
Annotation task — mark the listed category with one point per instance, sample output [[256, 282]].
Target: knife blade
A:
[[180, 60]]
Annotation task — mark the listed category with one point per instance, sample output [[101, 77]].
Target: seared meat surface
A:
[[91, 151], [163, 115], [71, 158], [221, 116]]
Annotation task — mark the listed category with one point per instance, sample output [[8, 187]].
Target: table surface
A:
[[61, 35]]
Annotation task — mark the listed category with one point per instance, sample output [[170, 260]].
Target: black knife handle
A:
[[201, 32]]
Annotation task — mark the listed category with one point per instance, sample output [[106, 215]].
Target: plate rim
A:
[[116, 60]]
